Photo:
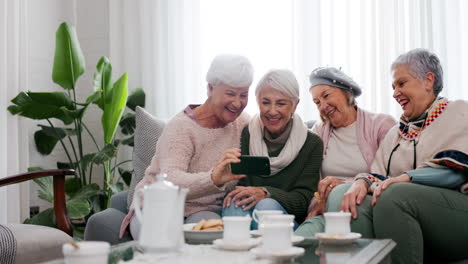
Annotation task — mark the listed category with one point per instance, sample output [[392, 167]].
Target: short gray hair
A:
[[420, 62], [281, 80], [233, 70]]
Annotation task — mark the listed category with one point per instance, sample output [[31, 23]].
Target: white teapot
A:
[[162, 218]]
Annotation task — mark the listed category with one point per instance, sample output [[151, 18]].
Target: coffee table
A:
[[361, 251]]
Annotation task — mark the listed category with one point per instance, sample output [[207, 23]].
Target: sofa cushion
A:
[[36, 243], [148, 129]]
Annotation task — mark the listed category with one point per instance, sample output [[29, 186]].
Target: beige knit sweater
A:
[[187, 153]]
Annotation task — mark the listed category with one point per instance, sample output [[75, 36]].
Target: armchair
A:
[[22, 243]]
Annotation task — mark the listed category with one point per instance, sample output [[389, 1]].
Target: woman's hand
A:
[[326, 185], [222, 171], [247, 197], [354, 196], [384, 185], [318, 209]]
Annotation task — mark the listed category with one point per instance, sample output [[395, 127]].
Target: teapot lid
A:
[[161, 183]]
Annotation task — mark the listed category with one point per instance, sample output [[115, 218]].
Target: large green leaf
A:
[[86, 192], [102, 82], [128, 124], [69, 63], [136, 98], [46, 139], [45, 144], [44, 218], [72, 186], [116, 188], [106, 154], [41, 106], [57, 132], [113, 108], [78, 208], [126, 176], [46, 191]]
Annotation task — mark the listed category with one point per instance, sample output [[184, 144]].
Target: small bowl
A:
[[88, 252]]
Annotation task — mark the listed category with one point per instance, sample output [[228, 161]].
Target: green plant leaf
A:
[[106, 154], [95, 98], [86, 192], [46, 191], [72, 186], [69, 63], [128, 124], [115, 188], [78, 208], [57, 132], [136, 98], [66, 165], [99, 202], [40, 106], [114, 107], [45, 144], [130, 141], [44, 218], [126, 176], [31, 169], [103, 82]]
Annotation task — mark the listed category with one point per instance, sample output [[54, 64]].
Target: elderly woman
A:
[[295, 153], [346, 131], [198, 144], [415, 200]]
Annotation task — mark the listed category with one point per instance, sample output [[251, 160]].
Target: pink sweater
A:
[[187, 153], [371, 130]]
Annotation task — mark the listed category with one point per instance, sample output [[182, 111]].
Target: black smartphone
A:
[[252, 165]]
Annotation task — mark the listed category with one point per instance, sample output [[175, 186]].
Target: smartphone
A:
[[252, 165]]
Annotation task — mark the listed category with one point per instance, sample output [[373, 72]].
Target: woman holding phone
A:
[[295, 153]]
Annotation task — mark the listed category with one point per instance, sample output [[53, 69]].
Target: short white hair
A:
[[281, 80], [233, 70]]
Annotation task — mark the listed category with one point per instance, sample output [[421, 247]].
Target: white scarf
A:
[[296, 139]]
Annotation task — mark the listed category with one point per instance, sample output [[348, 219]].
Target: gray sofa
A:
[[105, 225]]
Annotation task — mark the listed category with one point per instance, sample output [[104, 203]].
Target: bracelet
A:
[[368, 181]]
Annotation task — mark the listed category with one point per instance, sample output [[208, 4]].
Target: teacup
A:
[[337, 223], [280, 219], [87, 252], [236, 229], [276, 236], [259, 215]]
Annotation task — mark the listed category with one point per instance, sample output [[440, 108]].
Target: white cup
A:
[[337, 223], [280, 219], [258, 216], [88, 252], [276, 236], [236, 229]]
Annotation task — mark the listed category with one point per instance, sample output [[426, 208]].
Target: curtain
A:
[[13, 153], [168, 44]]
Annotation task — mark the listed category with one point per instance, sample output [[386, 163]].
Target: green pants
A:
[[424, 221]]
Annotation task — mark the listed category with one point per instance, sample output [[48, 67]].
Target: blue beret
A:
[[334, 77]]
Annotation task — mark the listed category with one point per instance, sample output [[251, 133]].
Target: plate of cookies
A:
[[204, 232]]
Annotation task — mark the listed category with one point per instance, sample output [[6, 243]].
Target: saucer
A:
[[294, 239], [236, 246], [289, 253], [337, 239]]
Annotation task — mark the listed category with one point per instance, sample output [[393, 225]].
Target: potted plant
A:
[[84, 196]]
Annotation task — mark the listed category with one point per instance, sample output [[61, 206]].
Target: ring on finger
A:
[[330, 186]]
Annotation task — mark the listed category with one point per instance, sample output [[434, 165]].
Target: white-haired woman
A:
[[295, 153], [198, 144], [418, 170]]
